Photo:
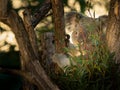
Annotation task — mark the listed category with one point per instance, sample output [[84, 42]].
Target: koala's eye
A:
[[76, 33]]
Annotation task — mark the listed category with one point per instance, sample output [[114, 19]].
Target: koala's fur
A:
[[79, 27]]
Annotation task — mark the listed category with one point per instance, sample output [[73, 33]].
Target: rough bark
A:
[[113, 29], [59, 25], [3, 9], [41, 12], [30, 29], [29, 57], [31, 60]]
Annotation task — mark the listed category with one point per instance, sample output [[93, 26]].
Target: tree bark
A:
[[113, 29], [41, 12], [59, 25], [3, 9], [30, 59]]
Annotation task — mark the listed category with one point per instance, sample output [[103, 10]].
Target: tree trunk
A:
[[59, 24], [27, 46], [113, 29]]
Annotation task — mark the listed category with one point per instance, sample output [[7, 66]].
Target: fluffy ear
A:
[[69, 16]]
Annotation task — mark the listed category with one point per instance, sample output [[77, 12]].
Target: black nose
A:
[[67, 36]]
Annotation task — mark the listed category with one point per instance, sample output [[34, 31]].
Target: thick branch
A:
[[41, 12], [22, 37], [30, 29], [113, 29], [31, 61], [58, 16], [3, 9]]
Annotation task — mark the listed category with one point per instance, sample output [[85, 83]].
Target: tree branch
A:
[[30, 30], [58, 15], [41, 12], [30, 59], [3, 9], [32, 64]]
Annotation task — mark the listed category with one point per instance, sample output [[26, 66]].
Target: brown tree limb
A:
[[29, 58], [59, 24], [30, 30], [3, 9], [113, 29], [32, 64], [41, 12]]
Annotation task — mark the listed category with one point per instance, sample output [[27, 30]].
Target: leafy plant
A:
[[97, 72]]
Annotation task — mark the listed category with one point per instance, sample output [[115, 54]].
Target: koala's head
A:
[[72, 22]]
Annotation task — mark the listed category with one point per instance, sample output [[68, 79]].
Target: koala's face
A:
[[72, 22], [78, 36]]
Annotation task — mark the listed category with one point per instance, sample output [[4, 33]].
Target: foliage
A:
[[96, 72]]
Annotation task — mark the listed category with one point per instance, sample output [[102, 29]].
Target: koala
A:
[[76, 21], [72, 23], [79, 27]]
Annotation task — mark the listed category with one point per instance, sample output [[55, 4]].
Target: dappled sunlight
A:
[[4, 26], [5, 48], [10, 38], [7, 38], [17, 3], [20, 12], [75, 4], [99, 7]]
